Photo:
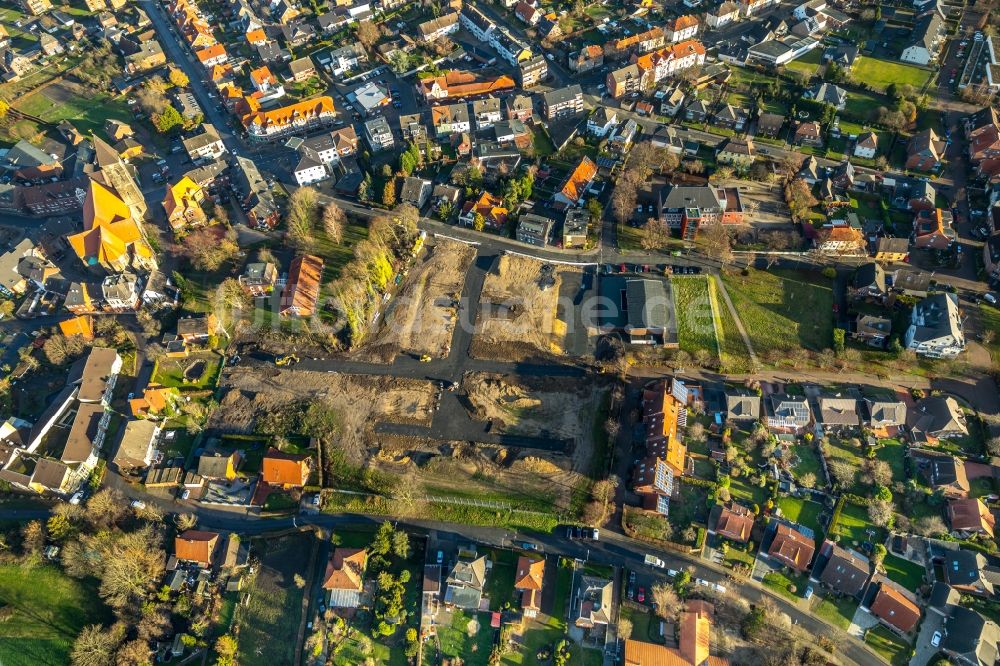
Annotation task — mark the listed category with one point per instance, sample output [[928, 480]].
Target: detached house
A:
[[344, 577], [528, 581], [970, 516], [285, 470], [196, 546], [576, 185], [932, 229], [787, 413], [302, 289], [733, 522], [947, 476], [842, 570], [791, 547], [465, 582], [895, 608], [935, 327], [866, 146], [591, 601], [925, 40]]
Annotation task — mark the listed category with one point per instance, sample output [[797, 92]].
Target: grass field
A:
[[904, 572], [170, 371], [890, 646], [880, 73], [838, 612], [852, 526], [62, 101], [803, 512], [893, 452], [807, 64], [269, 622], [782, 310], [808, 462], [784, 583], [49, 610], [695, 325], [733, 351], [990, 321], [456, 641]]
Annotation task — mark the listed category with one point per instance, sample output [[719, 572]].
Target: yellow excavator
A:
[[287, 359], [425, 358]]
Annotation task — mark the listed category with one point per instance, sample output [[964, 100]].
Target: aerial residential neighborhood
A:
[[507, 332]]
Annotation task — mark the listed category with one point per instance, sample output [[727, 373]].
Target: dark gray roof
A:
[[647, 304], [742, 406], [561, 95], [926, 31], [677, 197], [869, 275], [972, 636]]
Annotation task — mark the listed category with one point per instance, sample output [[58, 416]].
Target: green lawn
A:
[[863, 106], [695, 324], [783, 584], [169, 372], [890, 647], [838, 612], [808, 462], [904, 572], [808, 63], [88, 113], [500, 586], [735, 357], [893, 452], [837, 448], [629, 238], [990, 321], [801, 511], [880, 73], [852, 525], [48, 609], [783, 310], [456, 641], [269, 621]]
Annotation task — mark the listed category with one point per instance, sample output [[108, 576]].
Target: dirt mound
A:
[[537, 466]]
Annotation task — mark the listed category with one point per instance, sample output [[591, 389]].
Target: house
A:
[[486, 112], [205, 146], [653, 482], [415, 191], [724, 14], [465, 582], [742, 406], [866, 146], [895, 607], [911, 283], [983, 132], [827, 93], [255, 195], [450, 119], [577, 183], [650, 313], [970, 516], [575, 225], [210, 56], [738, 153], [884, 417], [925, 40], [459, 85], [935, 329], [872, 330], [842, 570], [183, 204], [890, 249], [681, 28], [285, 470], [948, 477], [195, 330], [840, 240], [528, 581], [787, 413], [489, 206], [969, 638], [216, 465], [347, 58], [196, 546], [770, 124], [527, 13], [413, 128], [838, 413], [672, 102], [733, 522], [534, 229], [591, 601], [154, 401], [435, 29], [135, 450], [966, 571], [692, 647], [563, 102], [869, 282], [519, 107], [932, 229], [586, 59], [302, 69], [344, 577], [661, 413], [688, 208], [297, 34], [925, 151], [791, 547], [258, 279], [623, 137], [82, 325], [808, 134], [301, 292], [991, 256], [379, 134]]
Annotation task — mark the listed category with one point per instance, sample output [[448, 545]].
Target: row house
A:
[[983, 131], [656, 66], [586, 59], [435, 29], [450, 119], [642, 42], [681, 28], [486, 112], [301, 116]]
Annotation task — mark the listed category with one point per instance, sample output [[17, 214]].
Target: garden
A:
[[695, 321], [888, 645], [879, 74]]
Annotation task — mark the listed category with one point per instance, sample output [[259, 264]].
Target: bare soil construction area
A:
[[360, 400], [538, 407], [421, 318], [520, 314]]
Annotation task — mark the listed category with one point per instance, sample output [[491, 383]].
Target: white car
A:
[[990, 298], [77, 497], [936, 639], [139, 505]]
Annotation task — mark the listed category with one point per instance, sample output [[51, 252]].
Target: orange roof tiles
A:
[[262, 75], [684, 22], [529, 574], [256, 36], [109, 229], [632, 40], [894, 607], [82, 325], [284, 469], [661, 412], [465, 84], [792, 547], [971, 515], [195, 546], [302, 290], [285, 115], [580, 179], [210, 52], [490, 207], [346, 569]]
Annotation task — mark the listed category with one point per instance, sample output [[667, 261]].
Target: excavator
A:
[[287, 359]]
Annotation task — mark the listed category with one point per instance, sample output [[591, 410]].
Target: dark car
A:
[[525, 545], [574, 532]]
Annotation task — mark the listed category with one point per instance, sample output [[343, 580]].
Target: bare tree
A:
[[624, 628], [715, 242], [930, 526], [623, 200], [303, 211], [367, 33], [186, 521], [842, 472], [668, 603], [876, 472], [880, 513], [95, 646], [106, 508], [334, 221], [655, 234]]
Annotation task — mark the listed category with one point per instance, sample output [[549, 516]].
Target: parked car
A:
[[526, 545], [641, 595], [138, 504], [936, 639], [77, 497], [809, 592]]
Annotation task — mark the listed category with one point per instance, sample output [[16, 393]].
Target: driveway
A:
[[860, 623], [923, 651]]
